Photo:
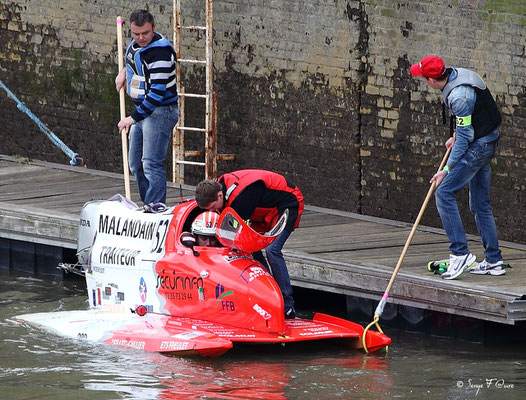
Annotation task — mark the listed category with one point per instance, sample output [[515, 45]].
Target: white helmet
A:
[[205, 223]]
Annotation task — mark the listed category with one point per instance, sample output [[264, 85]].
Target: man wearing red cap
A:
[[473, 146]]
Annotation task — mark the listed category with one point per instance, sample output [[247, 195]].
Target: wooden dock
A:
[[332, 250]]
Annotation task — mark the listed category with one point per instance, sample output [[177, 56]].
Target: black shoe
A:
[[290, 313]]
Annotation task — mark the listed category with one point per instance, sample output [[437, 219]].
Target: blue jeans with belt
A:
[[149, 141], [472, 169]]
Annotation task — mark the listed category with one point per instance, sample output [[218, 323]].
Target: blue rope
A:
[[56, 141]]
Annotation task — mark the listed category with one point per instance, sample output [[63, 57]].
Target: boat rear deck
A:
[[332, 250]]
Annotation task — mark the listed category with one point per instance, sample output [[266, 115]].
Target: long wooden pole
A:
[[381, 305], [123, 113]]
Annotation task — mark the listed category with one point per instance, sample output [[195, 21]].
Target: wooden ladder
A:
[[180, 155]]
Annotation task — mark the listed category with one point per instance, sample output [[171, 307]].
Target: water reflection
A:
[[270, 377], [246, 373]]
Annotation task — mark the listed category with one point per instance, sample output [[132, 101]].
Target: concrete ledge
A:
[[37, 225]]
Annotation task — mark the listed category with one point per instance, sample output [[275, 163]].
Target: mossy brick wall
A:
[[402, 133], [318, 90]]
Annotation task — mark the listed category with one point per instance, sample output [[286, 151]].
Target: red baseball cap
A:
[[430, 67]]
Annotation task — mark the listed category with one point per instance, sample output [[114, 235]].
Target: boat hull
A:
[[148, 290], [183, 336]]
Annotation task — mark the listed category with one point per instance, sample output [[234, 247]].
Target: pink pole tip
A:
[[119, 20], [385, 296]]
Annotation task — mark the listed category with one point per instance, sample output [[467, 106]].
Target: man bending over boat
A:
[[260, 197]]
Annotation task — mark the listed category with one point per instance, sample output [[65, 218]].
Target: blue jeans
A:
[[149, 141], [279, 268], [474, 169]]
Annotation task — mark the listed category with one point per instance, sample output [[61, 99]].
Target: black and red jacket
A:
[[261, 197]]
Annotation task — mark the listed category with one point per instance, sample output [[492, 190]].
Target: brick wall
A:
[[402, 130], [318, 90]]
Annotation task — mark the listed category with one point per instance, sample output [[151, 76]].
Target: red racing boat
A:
[[151, 288]]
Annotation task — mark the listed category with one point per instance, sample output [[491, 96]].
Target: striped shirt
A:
[[158, 65]]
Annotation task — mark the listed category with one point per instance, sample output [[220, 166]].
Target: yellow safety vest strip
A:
[[464, 121]]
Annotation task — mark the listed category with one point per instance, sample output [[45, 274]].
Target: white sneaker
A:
[[484, 267], [458, 264]]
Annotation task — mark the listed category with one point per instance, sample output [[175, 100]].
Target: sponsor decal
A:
[[114, 308], [317, 329], [145, 309], [188, 335], [143, 291], [327, 332], [231, 258], [127, 227], [118, 256], [173, 346], [105, 294], [261, 312], [253, 272], [176, 287], [84, 222], [134, 344], [174, 282], [243, 335], [226, 305], [98, 270], [220, 292], [181, 296]]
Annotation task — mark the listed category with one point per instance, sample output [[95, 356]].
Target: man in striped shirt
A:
[[150, 80]]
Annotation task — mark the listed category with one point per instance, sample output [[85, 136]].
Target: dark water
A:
[[38, 365]]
